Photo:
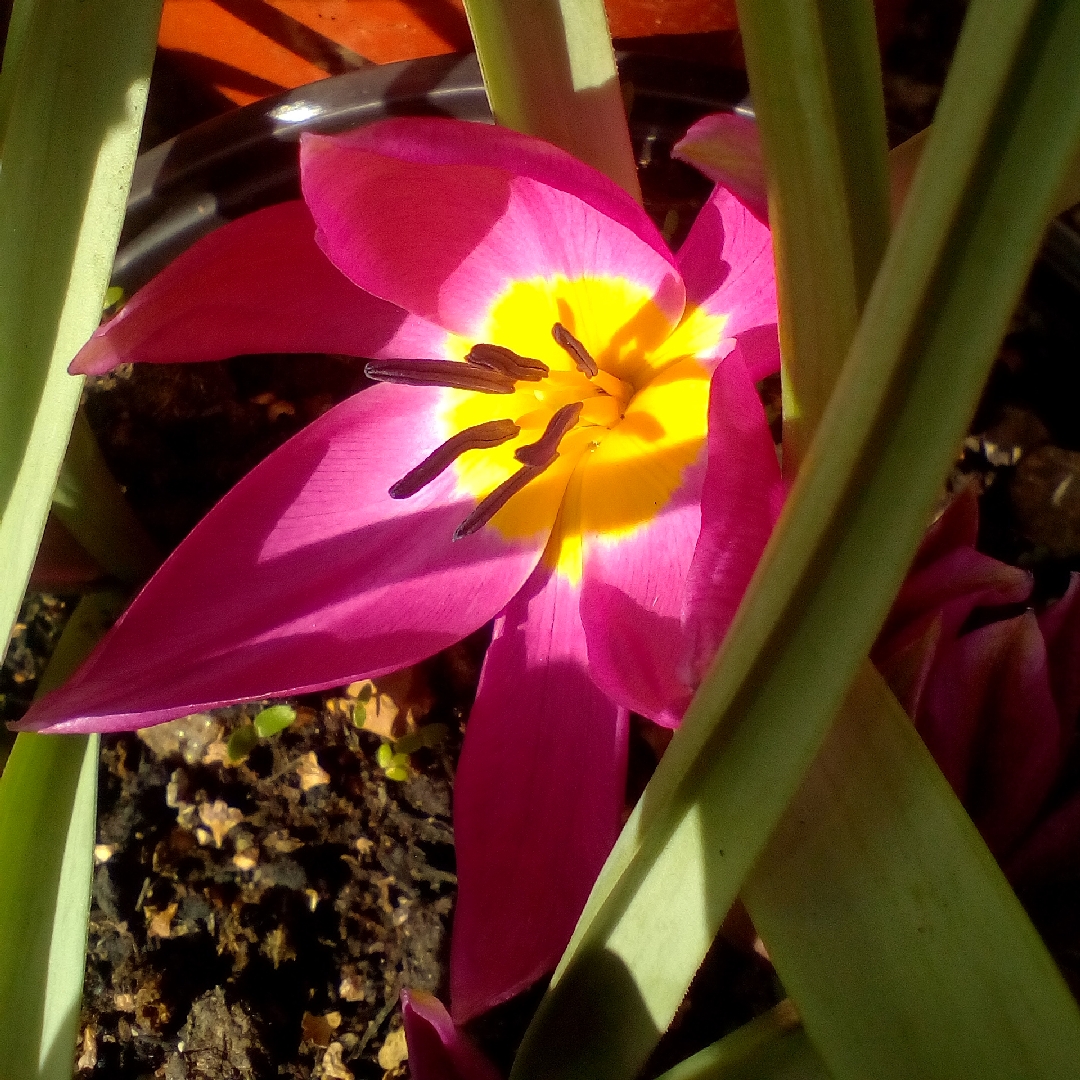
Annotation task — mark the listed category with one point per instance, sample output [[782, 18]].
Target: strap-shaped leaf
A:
[[890, 923], [549, 71], [48, 803], [1007, 126], [772, 1046], [72, 93], [816, 86]]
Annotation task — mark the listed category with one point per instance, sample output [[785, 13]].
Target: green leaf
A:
[[772, 1046], [891, 925], [89, 503], [816, 86], [48, 799], [1007, 125], [47, 803], [273, 719], [242, 741], [549, 71], [71, 101]]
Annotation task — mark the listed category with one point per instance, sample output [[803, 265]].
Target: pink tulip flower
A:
[[996, 704], [564, 437], [437, 1049]]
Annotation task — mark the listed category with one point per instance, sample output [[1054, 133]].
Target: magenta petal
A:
[[1061, 628], [306, 575], [258, 284], [537, 798], [727, 266], [445, 241], [1021, 748], [632, 599], [726, 147], [1052, 850], [990, 722], [437, 1050], [741, 500], [436, 141]]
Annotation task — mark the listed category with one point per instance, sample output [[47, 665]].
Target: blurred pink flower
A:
[[997, 704]]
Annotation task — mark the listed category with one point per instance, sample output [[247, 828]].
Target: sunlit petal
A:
[[259, 284], [727, 265], [447, 242], [306, 575], [537, 798]]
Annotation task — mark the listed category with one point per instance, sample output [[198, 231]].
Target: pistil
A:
[[578, 353], [451, 373], [478, 437]]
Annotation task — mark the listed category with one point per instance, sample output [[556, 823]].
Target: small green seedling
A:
[[242, 741], [273, 719], [396, 766], [430, 735]]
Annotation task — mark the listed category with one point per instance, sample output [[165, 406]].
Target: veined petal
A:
[[306, 575], [989, 720], [727, 266], [1060, 625], [258, 284], [948, 580], [741, 499], [1052, 850], [447, 242], [438, 141], [726, 147], [637, 508], [537, 798], [437, 1050]]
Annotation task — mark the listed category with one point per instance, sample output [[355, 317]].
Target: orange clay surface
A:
[[248, 49]]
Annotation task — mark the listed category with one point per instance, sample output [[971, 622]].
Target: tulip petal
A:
[[1061, 627], [306, 575], [636, 505], [989, 720], [437, 141], [726, 147], [1052, 851], [741, 500], [448, 242], [537, 798], [437, 1050], [727, 266], [259, 284], [1021, 747], [948, 580]]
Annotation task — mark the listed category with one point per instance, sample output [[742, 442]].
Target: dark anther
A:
[[478, 437], [545, 450], [491, 504], [585, 363], [507, 362], [440, 373]]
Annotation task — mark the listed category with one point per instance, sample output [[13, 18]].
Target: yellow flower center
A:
[[643, 415]]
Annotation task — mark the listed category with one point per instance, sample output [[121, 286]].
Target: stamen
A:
[[491, 504], [451, 373], [585, 363], [545, 450], [478, 437], [507, 362]]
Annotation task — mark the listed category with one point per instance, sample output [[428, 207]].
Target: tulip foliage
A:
[[564, 437]]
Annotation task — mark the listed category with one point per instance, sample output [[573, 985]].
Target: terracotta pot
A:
[[248, 49]]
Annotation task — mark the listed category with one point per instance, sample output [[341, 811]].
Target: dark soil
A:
[[258, 917]]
